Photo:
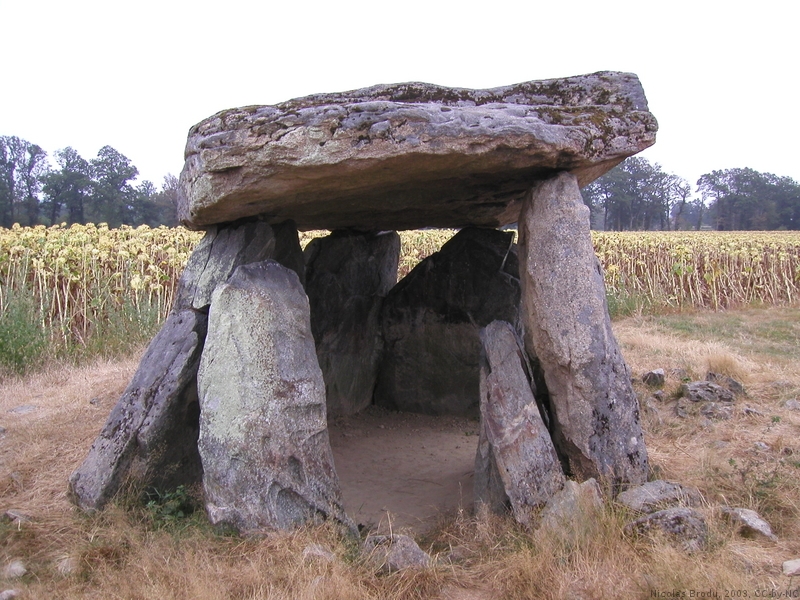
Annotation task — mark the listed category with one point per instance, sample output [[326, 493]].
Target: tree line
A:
[[75, 190], [635, 195], [639, 195]]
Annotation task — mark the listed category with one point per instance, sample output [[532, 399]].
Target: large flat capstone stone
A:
[[409, 155]]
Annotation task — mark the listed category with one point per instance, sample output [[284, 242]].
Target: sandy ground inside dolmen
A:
[[403, 470]]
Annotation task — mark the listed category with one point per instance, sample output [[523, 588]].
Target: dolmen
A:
[[266, 341]]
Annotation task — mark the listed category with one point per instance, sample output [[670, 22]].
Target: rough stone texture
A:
[[348, 275], [10, 594], [150, 438], [596, 425], [15, 517], [717, 411], [267, 461], [725, 381], [654, 378], [791, 568], [215, 258], [750, 523], [409, 155], [792, 404], [572, 504], [395, 553], [657, 495], [705, 391], [686, 525], [432, 320], [288, 251], [512, 430]]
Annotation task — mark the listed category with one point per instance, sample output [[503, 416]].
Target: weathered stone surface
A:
[[15, 517], [791, 568], [267, 461], [656, 495], [749, 522], [576, 501], [596, 423], [215, 258], [150, 438], [706, 391], [10, 594], [432, 320], [512, 430], [686, 525], [391, 553], [654, 378], [349, 274], [409, 155], [726, 381]]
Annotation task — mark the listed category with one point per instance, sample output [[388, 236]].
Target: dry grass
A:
[[127, 553]]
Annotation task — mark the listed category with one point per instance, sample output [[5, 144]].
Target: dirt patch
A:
[[403, 470]]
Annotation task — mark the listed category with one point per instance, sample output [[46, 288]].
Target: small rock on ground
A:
[[726, 381], [317, 552], [654, 378], [17, 517], [571, 503], [685, 525], [10, 594], [395, 553], [791, 568], [792, 404], [750, 523], [706, 391], [14, 570]]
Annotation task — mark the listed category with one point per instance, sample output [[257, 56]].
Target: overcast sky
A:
[[721, 78]]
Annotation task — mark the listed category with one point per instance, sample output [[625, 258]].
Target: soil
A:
[[403, 470]]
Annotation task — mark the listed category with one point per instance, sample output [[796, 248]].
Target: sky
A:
[[722, 78]]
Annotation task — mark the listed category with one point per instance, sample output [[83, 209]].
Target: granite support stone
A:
[[515, 452], [348, 275], [267, 461], [432, 321], [150, 438], [596, 426]]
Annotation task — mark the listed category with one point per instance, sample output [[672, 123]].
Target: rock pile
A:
[[265, 343]]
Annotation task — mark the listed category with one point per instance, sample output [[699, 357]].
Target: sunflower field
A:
[[90, 290]]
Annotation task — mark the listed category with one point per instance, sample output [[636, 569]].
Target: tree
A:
[[113, 195], [748, 199], [635, 195], [31, 174], [68, 188], [22, 166]]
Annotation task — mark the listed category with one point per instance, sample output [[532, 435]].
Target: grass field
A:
[[94, 297], [135, 552]]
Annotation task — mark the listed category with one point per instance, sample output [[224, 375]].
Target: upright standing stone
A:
[[150, 438], [432, 321], [349, 273], [596, 413], [267, 461], [514, 448]]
